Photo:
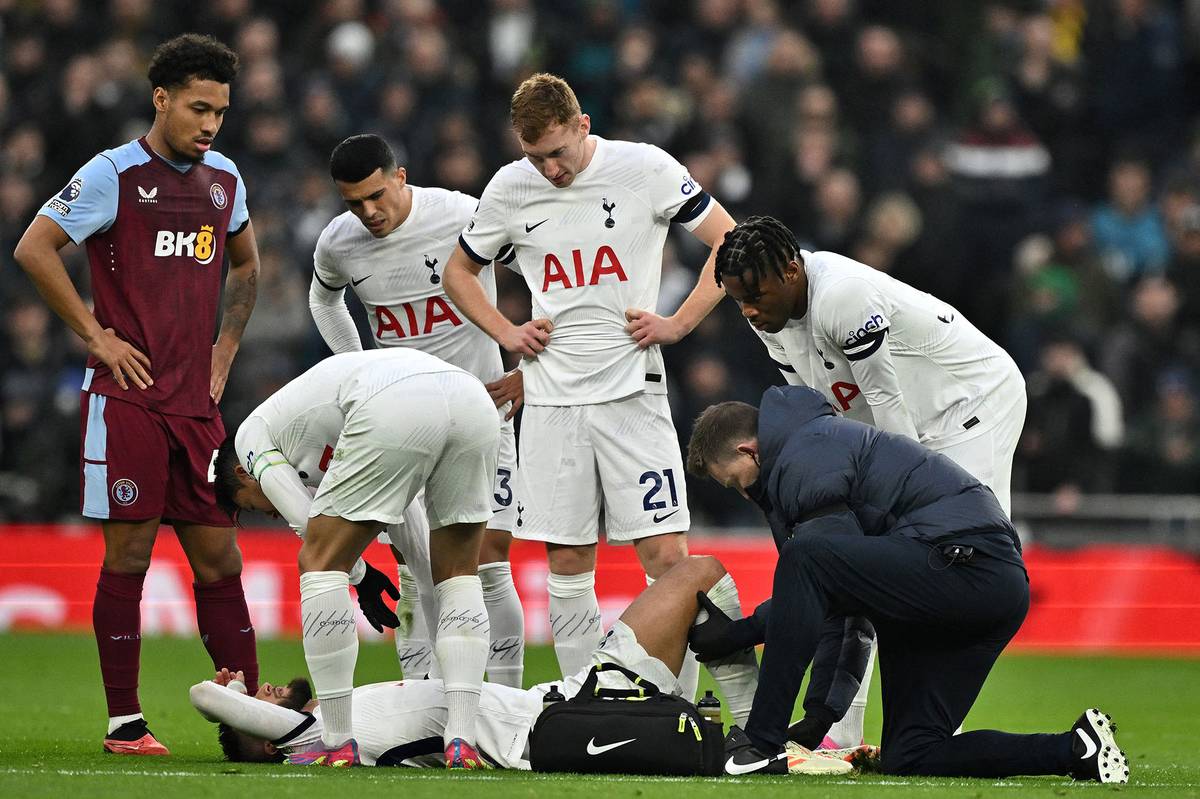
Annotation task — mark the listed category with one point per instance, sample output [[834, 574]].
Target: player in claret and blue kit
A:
[[158, 216]]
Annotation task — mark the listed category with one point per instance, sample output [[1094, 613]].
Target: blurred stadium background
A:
[[1034, 162]]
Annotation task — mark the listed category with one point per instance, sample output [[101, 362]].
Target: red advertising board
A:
[[1100, 599]]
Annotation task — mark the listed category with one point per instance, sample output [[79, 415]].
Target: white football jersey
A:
[[395, 723], [891, 356], [399, 280], [588, 252], [298, 426]]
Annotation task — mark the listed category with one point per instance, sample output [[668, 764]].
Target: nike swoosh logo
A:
[[530, 228], [592, 749], [658, 518], [354, 282], [745, 768], [944, 319], [1088, 744], [506, 648], [248, 629]]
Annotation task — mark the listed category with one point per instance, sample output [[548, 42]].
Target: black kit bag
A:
[[625, 731]]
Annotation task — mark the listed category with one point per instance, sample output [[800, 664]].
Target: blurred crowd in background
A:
[[1034, 163]]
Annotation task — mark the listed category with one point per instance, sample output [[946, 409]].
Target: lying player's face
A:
[[277, 694], [739, 471], [559, 154], [192, 115], [767, 303], [377, 200]]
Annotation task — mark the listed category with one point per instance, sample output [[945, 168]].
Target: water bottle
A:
[[710, 708], [552, 696]]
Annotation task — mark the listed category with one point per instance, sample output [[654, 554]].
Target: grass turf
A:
[[53, 712]]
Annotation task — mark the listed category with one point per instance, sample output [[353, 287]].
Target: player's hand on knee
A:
[[125, 361], [370, 599], [711, 639], [509, 388], [648, 328]]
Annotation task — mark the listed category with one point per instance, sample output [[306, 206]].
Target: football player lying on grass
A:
[[400, 723]]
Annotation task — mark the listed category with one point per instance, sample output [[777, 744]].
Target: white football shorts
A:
[[624, 454], [435, 430]]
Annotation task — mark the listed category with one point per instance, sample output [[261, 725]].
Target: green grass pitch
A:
[[53, 715]]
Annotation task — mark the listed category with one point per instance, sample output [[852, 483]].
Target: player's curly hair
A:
[[715, 433], [225, 479], [191, 56], [540, 102], [756, 245]]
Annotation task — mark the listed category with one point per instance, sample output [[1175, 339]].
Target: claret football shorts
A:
[[139, 464]]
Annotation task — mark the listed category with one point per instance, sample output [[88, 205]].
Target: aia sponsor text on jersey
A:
[[575, 275]]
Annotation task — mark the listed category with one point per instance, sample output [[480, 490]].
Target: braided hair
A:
[[755, 246]]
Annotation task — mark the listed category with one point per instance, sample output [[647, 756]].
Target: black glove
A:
[[714, 638], [812, 729], [370, 599]]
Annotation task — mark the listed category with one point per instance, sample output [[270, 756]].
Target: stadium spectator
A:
[[1143, 348], [762, 101], [1073, 428], [1061, 286], [1128, 228], [1163, 453], [999, 169]]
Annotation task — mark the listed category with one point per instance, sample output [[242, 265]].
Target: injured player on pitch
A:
[[400, 723]]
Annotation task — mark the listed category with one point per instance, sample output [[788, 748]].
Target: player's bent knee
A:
[[708, 569], [660, 553]]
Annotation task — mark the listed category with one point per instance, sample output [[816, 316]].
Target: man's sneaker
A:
[[461, 755], [806, 761], [133, 738], [1094, 750], [742, 757], [343, 756]]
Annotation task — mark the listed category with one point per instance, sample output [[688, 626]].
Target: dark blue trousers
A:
[[940, 627]]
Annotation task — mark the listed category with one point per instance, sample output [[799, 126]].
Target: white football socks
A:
[[506, 657], [413, 649], [849, 731], [462, 651], [574, 619], [115, 722], [737, 674], [330, 648], [689, 672]]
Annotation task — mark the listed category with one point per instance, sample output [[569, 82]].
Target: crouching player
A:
[[373, 429], [401, 723]]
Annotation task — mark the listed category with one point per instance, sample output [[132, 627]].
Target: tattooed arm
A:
[[241, 288]]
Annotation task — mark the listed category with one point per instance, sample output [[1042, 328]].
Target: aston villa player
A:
[[158, 216]]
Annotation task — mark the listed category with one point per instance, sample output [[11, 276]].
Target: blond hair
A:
[[541, 102]]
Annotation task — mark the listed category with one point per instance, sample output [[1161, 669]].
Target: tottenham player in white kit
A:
[[372, 429], [400, 723], [390, 248], [588, 219], [882, 353]]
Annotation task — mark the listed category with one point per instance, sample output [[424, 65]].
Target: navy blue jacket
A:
[[821, 474]]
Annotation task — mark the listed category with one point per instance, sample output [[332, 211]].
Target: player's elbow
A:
[[25, 253]]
